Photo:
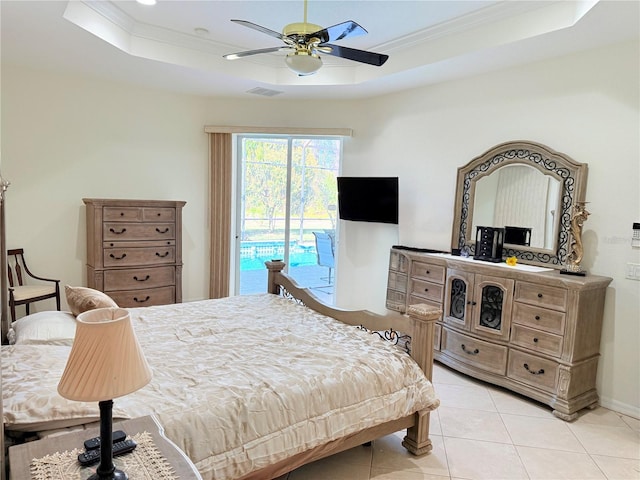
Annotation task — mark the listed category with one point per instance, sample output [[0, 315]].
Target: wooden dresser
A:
[[526, 328], [134, 250]]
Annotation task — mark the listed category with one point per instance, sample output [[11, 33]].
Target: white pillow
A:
[[45, 328]]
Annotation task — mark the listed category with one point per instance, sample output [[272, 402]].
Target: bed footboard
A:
[[419, 324], [424, 316]]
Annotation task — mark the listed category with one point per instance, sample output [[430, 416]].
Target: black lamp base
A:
[[116, 475], [106, 469]]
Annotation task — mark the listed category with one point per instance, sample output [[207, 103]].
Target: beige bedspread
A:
[[239, 383]]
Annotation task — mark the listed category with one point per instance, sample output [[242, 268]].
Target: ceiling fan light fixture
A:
[[303, 62], [300, 28]]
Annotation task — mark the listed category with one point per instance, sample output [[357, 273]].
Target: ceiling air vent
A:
[[265, 92]]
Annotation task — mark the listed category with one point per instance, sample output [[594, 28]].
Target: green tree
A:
[[265, 179]]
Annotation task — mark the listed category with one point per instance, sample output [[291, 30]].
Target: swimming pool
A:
[[253, 254]]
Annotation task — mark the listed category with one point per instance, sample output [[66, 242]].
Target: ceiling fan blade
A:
[[235, 56], [362, 56], [338, 32], [260, 28]]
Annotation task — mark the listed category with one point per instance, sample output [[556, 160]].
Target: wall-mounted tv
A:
[[368, 199]]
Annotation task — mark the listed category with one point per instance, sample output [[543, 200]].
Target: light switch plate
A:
[[633, 271]]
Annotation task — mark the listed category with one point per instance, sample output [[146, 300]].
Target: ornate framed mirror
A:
[[526, 187]]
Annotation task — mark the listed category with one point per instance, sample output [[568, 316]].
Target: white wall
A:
[[586, 106], [65, 137]]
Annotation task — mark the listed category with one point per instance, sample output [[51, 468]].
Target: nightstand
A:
[[20, 456]]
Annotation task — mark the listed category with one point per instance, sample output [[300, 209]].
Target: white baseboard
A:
[[624, 408]]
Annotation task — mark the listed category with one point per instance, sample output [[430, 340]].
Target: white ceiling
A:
[[428, 41]]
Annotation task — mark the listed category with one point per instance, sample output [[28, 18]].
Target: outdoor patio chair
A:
[[325, 253]]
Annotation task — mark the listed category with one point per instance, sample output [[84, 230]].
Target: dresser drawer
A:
[[128, 257], [160, 214], [138, 231], [541, 295], [417, 300], [476, 353], [428, 290], [145, 297], [396, 301], [139, 214], [535, 371], [397, 281], [536, 340], [540, 318], [133, 278], [427, 271], [398, 262], [122, 214]]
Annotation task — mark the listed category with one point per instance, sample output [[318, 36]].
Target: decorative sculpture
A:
[[580, 215]]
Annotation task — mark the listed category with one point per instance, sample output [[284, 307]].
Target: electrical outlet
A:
[[633, 271]]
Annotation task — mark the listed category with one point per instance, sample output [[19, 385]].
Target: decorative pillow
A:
[[44, 328], [81, 299]]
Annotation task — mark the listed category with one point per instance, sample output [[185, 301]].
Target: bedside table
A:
[[20, 456]]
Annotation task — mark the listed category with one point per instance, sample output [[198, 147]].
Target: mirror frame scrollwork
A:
[[571, 174]]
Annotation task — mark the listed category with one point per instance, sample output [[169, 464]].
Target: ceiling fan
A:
[[305, 41]]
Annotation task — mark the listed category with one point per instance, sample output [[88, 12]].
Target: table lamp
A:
[[105, 362]]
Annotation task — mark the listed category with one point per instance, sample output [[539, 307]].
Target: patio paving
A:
[[313, 277]]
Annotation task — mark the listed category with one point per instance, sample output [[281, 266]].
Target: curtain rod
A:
[[336, 132]]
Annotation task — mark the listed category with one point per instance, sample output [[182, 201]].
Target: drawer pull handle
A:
[[539, 372], [539, 295], [122, 214], [469, 352], [535, 340], [426, 289], [161, 255], [118, 233], [117, 258], [537, 317], [162, 231], [147, 277], [142, 301], [428, 272]]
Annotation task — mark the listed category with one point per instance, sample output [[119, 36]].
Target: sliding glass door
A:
[[287, 209]]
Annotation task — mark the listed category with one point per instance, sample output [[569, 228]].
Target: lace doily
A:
[[144, 463]]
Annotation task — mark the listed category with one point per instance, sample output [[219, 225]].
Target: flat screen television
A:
[[368, 199]]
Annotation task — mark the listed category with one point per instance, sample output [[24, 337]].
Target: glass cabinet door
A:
[[458, 298], [492, 308]]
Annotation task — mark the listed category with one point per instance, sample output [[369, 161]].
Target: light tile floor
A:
[[484, 432]]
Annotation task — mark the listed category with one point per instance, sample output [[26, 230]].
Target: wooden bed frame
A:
[[419, 323]]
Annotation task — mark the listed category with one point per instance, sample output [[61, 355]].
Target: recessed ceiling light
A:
[[146, 2]]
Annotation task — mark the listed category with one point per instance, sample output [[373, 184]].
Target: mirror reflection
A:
[[521, 199]]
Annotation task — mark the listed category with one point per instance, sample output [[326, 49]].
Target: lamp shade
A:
[[106, 360]]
